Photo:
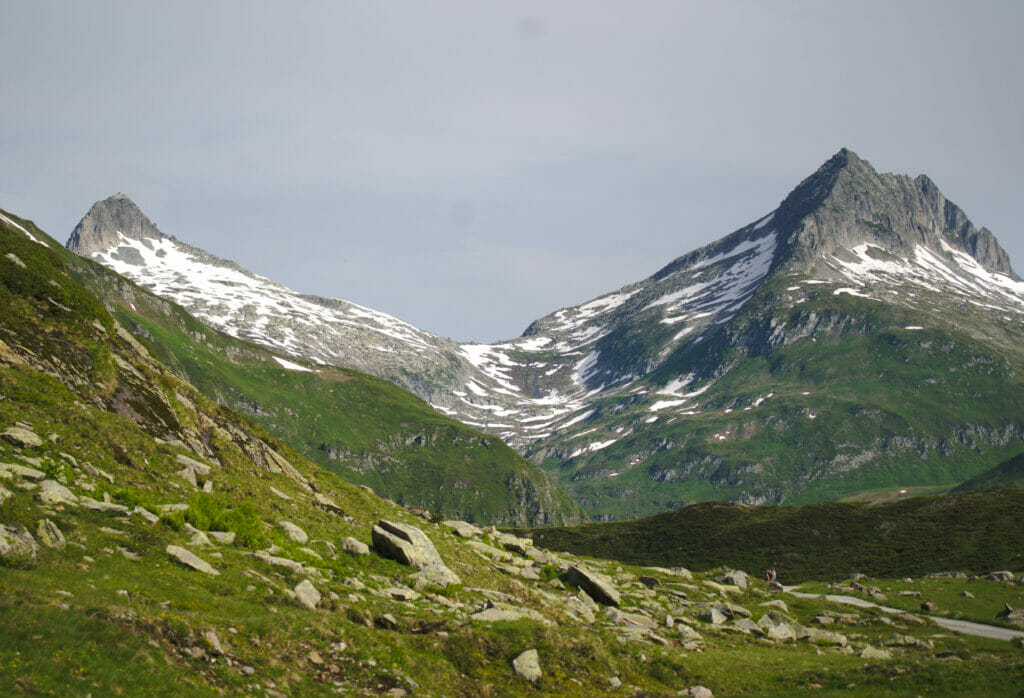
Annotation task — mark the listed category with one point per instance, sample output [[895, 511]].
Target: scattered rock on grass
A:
[[50, 535], [17, 544], [21, 436], [306, 594], [190, 559], [527, 665], [598, 586]]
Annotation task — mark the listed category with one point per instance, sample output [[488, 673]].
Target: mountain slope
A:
[[365, 429], [1006, 475], [863, 335]]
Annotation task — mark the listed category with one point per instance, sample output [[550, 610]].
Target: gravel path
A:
[[961, 626]]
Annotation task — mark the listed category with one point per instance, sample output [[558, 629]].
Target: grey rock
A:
[[825, 637], [410, 546], [870, 652], [49, 535], [699, 692], [4, 494], [527, 665], [293, 532], [22, 471], [17, 544], [190, 559], [464, 529], [714, 615], [145, 514], [734, 577], [223, 537], [780, 633], [354, 547], [21, 437], [306, 594], [97, 505], [598, 586], [211, 638], [53, 493], [1001, 576]]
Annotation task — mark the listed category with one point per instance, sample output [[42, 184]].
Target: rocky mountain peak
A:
[[847, 203], [100, 229]]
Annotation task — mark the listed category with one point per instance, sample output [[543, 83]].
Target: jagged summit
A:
[[846, 203], [100, 229]]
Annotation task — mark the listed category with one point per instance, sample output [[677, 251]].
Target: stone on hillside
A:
[[736, 578], [598, 586], [966, 594], [306, 594], [190, 559], [713, 615], [324, 502], [410, 546], [1012, 615], [870, 652], [96, 505], [649, 581], [514, 543], [195, 466], [354, 547], [494, 615], [198, 538], [53, 493], [223, 537], [824, 636], [776, 603], [527, 665], [188, 475], [278, 561], [1001, 576], [464, 529], [577, 607], [146, 515], [21, 436], [746, 625], [699, 692], [490, 551], [214, 642], [910, 594], [4, 494], [293, 532], [17, 544], [49, 535], [22, 471], [780, 633], [929, 606]]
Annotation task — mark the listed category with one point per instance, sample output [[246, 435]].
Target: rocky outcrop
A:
[[17, 545], [598, 586], [410, 546]]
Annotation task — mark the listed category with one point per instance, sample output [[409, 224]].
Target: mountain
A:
[[1008, 474], [863, 335], [365, 429]]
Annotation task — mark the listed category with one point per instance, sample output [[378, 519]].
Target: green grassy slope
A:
[[973, 532], [361, 427], [1007, 474]]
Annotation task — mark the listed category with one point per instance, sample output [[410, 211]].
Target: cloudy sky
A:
[[471, 166]]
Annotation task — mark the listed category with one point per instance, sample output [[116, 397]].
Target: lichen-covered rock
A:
[[22, 437], [599, 587], [53, 493], [527, 665], [464, 529], [22, 471], [49, 535], [17, 544], [735, 578]]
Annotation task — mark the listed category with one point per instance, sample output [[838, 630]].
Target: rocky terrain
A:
[[772, 366]]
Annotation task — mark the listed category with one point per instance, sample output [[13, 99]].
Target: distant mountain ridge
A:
[[644, 398]]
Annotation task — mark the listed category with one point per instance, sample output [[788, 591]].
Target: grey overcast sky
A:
[[472, 166]]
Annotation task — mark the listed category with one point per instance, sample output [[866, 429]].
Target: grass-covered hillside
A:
[[975, 532], [364, 428], [863, 396], [1007, 474], [153, 542]]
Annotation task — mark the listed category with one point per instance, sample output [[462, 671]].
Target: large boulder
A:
[[50, 535], [53, 493], [598, 586], [410, 546], [306, 594], [293, 532]]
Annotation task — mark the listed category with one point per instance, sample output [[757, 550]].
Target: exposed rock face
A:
[[98, 230], [410, 546], [599, 587]]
